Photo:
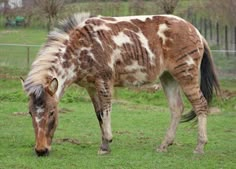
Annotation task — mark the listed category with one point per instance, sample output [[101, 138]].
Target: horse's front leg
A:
[[101, 98]]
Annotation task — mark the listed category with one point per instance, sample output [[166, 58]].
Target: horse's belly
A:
[[136, 78]]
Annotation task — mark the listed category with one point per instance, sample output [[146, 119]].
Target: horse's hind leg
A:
[[172, 92], [101, 98], [200, 106], [191, 88]]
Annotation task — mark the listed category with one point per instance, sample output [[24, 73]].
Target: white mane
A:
[[47, 59]]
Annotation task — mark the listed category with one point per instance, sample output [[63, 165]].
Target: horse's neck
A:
[[65, 77]]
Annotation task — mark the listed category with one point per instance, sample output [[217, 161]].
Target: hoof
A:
[[198, 151], [161, 149], [103, 152]]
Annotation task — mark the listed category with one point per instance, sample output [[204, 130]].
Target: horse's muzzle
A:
[[43, 152]]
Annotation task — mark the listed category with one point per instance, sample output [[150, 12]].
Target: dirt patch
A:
[[62, 110], [67, 140], [226, 94], [149, 88], [122, 132], [8, 31], [20, 114], [214, 110], [65, 110], [10, 77]]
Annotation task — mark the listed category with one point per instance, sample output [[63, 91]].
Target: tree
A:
[[6, 6], [51, 8], [222, 11], [168, 6], [136, 7]]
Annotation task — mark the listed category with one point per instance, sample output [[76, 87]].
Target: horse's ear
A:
[[52, 87], [22, 81]]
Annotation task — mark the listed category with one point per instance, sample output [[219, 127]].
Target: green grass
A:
[[23, 36], [139, 122]]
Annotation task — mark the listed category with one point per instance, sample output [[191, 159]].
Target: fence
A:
[[17, 56], [20, 57], [219, 35]]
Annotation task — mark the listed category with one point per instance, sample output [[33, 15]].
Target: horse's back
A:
[[137, 49]]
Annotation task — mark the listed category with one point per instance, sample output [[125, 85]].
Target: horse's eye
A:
[[30, 113]]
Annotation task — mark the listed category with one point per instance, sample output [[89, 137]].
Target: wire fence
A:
[[17, 55], [20, 57]]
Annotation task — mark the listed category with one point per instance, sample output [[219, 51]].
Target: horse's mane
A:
[[46, 59]]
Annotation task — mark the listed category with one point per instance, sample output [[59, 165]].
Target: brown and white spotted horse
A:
[[99, 53]]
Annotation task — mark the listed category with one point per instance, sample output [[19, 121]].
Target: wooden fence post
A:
[[217, 34], [200, 25], [210, 27], [226, 41], [205, 28], [235, 40], [194, 18], [28, 57]]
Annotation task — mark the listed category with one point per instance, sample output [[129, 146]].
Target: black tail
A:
[[209, 81]]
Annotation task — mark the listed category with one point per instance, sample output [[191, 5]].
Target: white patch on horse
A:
[[162, 68], [138, 78], [71, 72], [134, 66], [142, 18], [145, 45], [198, 50], [116, 55], [92, 56], [61, 81], [37, 119], [102, 27], [121, 39], [141, 77], [190, 30], [39, 130], [161, 32], [190, 61], [96, 38], [39, 109]]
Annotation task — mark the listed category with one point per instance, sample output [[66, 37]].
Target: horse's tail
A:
[[209, 81]]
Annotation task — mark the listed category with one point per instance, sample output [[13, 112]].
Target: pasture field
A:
[[139, 122]]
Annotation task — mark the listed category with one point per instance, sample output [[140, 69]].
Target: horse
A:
[[100, 53]]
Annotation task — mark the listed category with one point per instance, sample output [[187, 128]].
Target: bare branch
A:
[[51, 8], [169, 5]]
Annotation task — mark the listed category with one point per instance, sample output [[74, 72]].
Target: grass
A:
[[139, 123]]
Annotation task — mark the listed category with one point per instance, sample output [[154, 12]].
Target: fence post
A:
[[200, 25], [205, 28], [226, 41], [194, 18], [217, 34], [28, 57], [210, 26], [235, 40]]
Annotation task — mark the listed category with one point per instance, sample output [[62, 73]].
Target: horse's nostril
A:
[[43, 152]]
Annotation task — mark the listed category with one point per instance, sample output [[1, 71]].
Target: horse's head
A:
[[44, 112]]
